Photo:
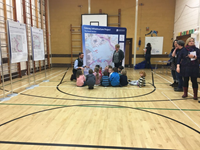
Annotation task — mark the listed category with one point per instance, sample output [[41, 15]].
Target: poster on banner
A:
[[17, 42], [99, 44], [37, 44]]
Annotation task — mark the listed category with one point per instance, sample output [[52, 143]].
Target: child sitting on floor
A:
[[110, 71], [123, 78], [90, 79], [120, 69], [141, 82], [80, 78], [105, 79], [97, 76], [100, 69], [114, 78]]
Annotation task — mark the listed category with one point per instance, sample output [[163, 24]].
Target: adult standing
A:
[[177, 51], [78, 64], [118, 56], [173, 65], [148, 56], [188, 66]]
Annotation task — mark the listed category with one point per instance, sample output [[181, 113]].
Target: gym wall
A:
[[156, 14]]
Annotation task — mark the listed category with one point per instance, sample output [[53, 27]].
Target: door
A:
[[128, 53]]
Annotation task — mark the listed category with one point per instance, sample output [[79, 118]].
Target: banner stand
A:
[[12, 94], [38, 51], [45, 72], [4, 97], [32, 86], [10, 70]]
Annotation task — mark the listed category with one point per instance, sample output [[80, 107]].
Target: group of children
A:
[[115, 77]]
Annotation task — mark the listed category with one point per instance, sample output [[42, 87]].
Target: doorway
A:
[[128, 53], [184, 37]]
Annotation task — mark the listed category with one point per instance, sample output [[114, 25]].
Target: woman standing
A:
[[173, 65], [175, 54], [118, 56], [188, 66], [148, 56]]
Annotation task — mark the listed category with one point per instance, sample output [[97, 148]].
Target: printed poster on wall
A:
[[17, 39], [99, 44], [37, 44]]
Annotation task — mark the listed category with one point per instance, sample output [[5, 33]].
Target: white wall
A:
[[186, 18]]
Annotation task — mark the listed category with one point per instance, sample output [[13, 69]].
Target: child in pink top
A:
[[97, 76], [80, 78]]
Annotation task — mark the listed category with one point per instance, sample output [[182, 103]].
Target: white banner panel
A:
[[156, 44], [37, 44], [17, 40], [95, 19]]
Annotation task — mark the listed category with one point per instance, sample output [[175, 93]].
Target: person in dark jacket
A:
[[118, 56], [123, 78], [115, 78], [148, 56], [120, 69], [90, 79], [188, 66], [78, 64], [173, 65], [175, 55], [105, 79]]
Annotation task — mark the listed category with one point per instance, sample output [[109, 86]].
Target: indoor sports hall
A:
[[109, 74]]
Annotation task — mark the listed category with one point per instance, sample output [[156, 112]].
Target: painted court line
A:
[[66, 86], [30, 83], [170, 82], [53, 105], [41, 82], [181, 110]]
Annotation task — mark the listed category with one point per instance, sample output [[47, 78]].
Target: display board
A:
[[156, 44], [95, 19], [37, 44], [99, 44], [17, 40]]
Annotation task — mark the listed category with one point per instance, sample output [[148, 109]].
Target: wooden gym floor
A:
[[57, 115]]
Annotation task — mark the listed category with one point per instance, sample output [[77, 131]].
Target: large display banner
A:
[[37, 44], [99, 44], [17, 40]]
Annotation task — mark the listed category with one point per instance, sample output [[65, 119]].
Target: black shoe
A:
[[90, 88], [175, 84], [178, 89], [172, 84]]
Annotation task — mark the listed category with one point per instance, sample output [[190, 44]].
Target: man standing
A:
[[78, 64]]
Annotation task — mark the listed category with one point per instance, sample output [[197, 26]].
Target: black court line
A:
[[69, 99], [102, 97], [147, 111], [76, 145]]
